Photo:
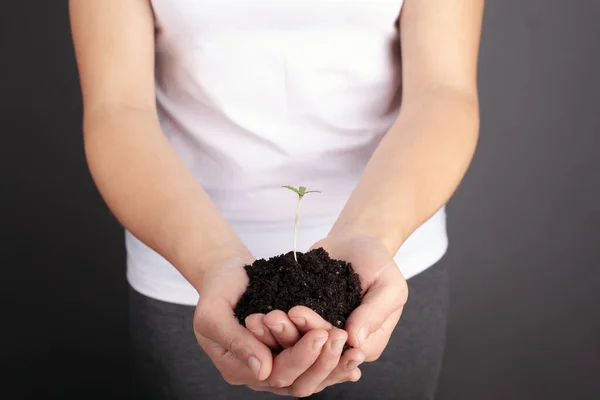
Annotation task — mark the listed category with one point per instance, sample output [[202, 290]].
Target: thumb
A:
[[216, 322], [381, 300]]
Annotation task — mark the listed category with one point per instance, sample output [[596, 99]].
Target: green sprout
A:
[[300, 191]]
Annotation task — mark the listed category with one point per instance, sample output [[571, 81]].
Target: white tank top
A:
[[256, 94]]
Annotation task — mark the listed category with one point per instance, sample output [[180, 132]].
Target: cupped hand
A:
[[329, 366], [385, 291], [369, 327], [240, 357]]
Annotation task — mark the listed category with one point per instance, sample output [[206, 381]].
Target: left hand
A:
[[385, 291], [369, 327]]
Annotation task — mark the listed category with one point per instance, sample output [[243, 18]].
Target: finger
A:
[[279, 391], [349, 362], [377, 342], [256, 325], [307, 383], [354, 376], [294, 361], [306, 319], [215, 321], [381, 300], [282, 329]]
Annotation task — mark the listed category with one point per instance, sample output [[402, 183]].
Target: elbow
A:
[[111, 130], [463, 104], [452, 105]]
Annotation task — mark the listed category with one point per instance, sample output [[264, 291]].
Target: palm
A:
[[381, 283], [222, 286], [376, 268], [369, 259]]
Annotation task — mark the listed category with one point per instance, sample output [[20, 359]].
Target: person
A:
[[197, 112]]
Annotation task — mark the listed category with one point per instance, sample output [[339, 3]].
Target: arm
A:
[[422, 159], [141, 177], [416, 167], [152, 193]]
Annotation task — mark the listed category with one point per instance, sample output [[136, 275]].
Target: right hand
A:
[[237, 354], [240, 357]]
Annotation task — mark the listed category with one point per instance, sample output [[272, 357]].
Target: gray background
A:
[[524, 226]]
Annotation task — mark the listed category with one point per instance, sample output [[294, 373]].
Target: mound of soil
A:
[[329, 287]]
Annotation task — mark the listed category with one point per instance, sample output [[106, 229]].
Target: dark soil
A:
[[329, 287]]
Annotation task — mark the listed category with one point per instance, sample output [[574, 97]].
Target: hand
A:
[[277, 330], [238, 355], [369, 326], [384, 289]]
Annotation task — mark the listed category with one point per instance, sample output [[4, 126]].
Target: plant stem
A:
[[296, 227]]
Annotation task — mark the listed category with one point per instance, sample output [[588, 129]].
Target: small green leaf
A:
[[300, 191], [293, 189]]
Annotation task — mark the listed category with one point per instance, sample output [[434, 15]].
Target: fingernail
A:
[[254, 365], [337, 346], [299, 322], [258, 332], [319, 342], [353, 364], [362, 336], [276, 328]]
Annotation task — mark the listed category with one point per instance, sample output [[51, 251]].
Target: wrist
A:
[[354, 245], [224, 253], [207, 258], [349, 232], [369, 255]]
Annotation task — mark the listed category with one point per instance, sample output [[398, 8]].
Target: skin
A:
[[414, 171]]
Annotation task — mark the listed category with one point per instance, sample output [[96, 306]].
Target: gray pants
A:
[[170, 365]]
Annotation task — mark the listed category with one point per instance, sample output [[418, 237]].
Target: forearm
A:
[[153, 194], [416, 168]]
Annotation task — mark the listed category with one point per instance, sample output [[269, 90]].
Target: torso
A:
[[256, 94]]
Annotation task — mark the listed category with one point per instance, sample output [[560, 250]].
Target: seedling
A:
[[300, 191]]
